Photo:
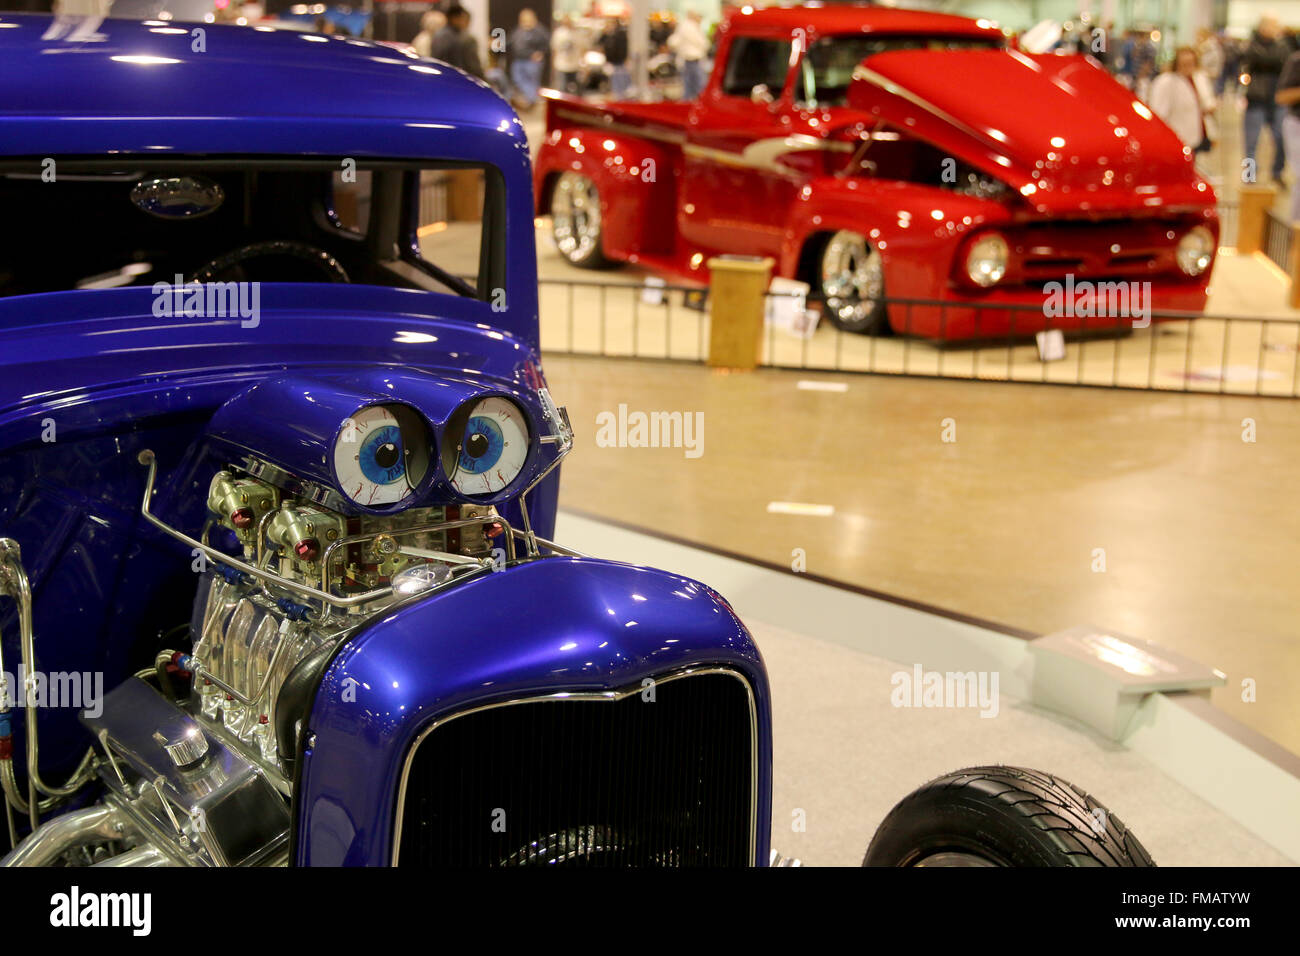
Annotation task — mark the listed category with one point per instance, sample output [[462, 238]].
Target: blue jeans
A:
[[692, 79], [620, 82], [1258, 115], [527, 77]]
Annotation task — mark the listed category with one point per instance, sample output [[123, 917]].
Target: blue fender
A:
[[559, 623]]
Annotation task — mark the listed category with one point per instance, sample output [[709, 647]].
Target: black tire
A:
[[1004, 816]]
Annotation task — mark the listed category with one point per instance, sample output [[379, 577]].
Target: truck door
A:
[[736, 196]]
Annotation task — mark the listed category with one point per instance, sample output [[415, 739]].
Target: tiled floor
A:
[[1142, 512], [1199, 528]]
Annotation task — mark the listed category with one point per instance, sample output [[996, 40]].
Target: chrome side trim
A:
[[599, 696], [764, 154], [606, 122]]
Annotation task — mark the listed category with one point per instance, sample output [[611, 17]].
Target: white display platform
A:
[[851, 739], [1101, 677]]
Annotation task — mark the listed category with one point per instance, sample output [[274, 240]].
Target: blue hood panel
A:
[[554, 624]]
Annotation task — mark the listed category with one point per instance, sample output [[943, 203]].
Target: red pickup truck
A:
[[887, 156]]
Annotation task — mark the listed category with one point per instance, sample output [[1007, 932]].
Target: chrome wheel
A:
[[853, 283], [575, 220]]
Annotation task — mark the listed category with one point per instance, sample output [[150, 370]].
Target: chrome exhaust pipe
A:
[[74, 829], [140, 856]]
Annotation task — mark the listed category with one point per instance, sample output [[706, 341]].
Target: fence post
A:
[[1252, 217], [736, 310]]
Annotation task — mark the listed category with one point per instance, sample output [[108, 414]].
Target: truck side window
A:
[[754, 62]]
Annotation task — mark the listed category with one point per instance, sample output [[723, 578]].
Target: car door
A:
[[736, 196]]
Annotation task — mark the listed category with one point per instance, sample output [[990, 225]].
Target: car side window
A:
[[755, 62]]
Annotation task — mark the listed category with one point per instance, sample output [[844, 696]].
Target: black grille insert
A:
[[626, 782]]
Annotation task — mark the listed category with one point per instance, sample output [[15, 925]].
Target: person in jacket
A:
[[613, 43], [692, 46], [529, 44], [454, 45], [1183, 97], [1262, 61]]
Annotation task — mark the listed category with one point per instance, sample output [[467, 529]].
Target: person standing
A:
[[613, 43], [689, 42], [1183, 98], [1288, 96], [1262, 61], [566, 54], [430, 24], [454, 45], [528, 46], [1210, 52]]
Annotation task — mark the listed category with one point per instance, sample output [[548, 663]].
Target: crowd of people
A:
[[1263, 70], [591, 54], [587, 54]]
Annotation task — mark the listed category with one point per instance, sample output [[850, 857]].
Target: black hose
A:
[[293, 703]]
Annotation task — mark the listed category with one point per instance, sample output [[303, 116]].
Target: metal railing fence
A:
[[1177, 352]]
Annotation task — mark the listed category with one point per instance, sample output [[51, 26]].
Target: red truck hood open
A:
[[1093, 146]]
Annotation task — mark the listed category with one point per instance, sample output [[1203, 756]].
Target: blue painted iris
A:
[[482, 446], [381, 457]]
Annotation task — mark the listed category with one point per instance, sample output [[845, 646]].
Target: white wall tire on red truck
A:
[[576, 221], [851, 277]]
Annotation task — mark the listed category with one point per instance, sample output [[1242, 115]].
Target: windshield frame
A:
[[892, 42]]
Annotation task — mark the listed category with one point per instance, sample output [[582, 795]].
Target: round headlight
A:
[[986, 263], [485, 446], [381, 455], [1196, 251]]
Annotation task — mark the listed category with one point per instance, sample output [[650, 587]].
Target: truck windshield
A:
[[107, 223], [827, 67]]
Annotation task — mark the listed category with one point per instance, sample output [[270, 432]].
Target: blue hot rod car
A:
[[278, 486], [295, 508]]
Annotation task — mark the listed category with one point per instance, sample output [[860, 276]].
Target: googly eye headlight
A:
[[381, 455], [485, 447]]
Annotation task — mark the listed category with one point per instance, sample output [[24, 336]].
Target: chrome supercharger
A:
[[206, 780]]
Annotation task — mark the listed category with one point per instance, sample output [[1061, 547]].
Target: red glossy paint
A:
[[1096, 186]]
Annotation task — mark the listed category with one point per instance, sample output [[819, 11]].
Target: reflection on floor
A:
[[1145, 513], [843, 754]]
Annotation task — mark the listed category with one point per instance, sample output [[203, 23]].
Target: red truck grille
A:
[[1096, 250]]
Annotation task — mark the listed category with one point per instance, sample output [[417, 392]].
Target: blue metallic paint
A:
[[278, 95], [558, 624], [289, 421], [111, 378]]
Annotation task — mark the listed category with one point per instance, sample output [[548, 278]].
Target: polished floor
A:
[[844, 753], [1039, 507]]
